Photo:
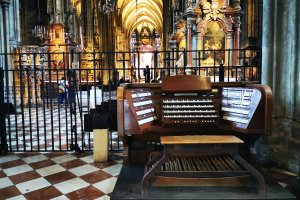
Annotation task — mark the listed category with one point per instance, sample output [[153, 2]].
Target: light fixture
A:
[[108, 7], [40, 31]]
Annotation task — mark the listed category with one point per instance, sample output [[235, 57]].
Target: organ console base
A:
[[199, 156]]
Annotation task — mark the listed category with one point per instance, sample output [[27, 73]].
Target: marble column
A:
[[189, 41], [280, 70]]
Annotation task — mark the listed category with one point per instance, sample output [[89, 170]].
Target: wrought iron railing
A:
[[38, 123]]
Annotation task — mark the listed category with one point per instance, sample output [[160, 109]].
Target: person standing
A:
[[63, 91]]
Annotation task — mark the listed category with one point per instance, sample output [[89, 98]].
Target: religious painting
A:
[[145, 35], [57, 57], [214, 39]]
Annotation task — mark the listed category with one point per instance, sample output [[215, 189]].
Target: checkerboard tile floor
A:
[[50, 130], [57, 175]]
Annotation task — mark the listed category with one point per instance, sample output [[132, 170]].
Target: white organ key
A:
[[144, 94], [188, 101], [236, 119], [142, 112], [246, 103], [146, 120], [236, 110], [190, 116], [142, 103], [188, 106]]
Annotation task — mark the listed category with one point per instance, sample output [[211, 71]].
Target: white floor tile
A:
[[62, 197], [88, 159], [32, 185], [82, 170], [8, 158], [107, 185], [33, 159], [71, 185], [53, 169], [64, 158], [113, 170], [105, 197], [17, 170], [5, 182], [20, 197]]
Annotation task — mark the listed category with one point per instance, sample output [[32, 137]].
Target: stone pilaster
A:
[[89, 21], [5, 5], [1, 38], [190, 17], [280, 62], [237, 30], [189, 42], [228, 45]]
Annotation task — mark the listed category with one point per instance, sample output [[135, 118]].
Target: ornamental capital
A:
[[5, 3]]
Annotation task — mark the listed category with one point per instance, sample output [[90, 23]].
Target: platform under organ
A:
[[189, 105]]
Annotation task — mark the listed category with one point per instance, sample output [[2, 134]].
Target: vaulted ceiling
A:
[[139, 13]]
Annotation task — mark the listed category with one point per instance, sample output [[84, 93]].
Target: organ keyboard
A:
[[191, 106], [141, 106], [240, 104], [194, 110]]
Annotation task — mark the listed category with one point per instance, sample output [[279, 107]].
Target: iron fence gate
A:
[[37, 116], [37, 120]]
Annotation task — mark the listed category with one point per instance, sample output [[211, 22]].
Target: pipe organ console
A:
[[188, 105]]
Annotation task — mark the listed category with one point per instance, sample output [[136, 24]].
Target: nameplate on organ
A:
[[192, 104], [141, 106]]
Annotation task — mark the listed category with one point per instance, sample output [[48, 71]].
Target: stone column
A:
[[199, 45], [280, 70], [58, 10], [173, 47], [89, 21], [189, 41], [237, 30], [1, 39], [5, 5], [18, 25], [228, 45]]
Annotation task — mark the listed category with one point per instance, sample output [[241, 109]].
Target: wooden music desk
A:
[[200, 145]]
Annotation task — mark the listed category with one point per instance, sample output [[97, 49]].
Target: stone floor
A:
[[57, 175]]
